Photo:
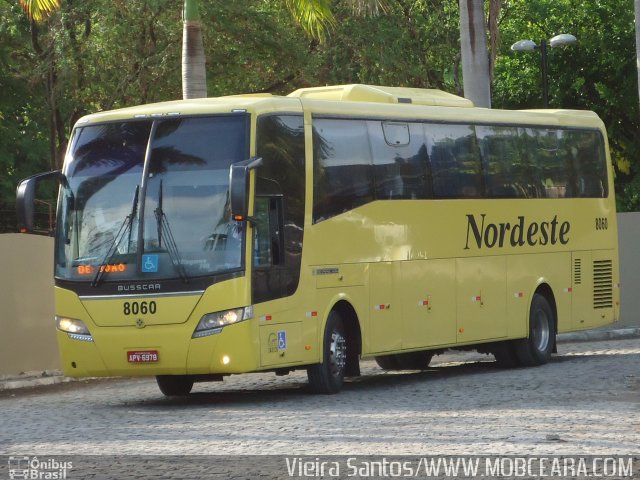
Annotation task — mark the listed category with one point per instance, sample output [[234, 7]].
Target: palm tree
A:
[[314, 16], [194, 75], [475, 58]]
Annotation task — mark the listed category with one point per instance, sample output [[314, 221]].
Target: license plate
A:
[[146, 356]]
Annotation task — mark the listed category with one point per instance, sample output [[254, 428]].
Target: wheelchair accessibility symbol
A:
[[149, 263], [282, 340]]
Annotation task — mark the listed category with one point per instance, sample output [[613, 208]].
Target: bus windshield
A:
[[149, 199]]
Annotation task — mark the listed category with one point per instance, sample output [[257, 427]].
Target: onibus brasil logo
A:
[[22, 467]]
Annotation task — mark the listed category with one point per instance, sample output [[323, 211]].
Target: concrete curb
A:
[[33, 379], [599, 335], [55, 377]]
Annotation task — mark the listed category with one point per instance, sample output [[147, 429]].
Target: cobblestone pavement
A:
[[585, 401]]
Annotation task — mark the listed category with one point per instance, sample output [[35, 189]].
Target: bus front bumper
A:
[[159, 350]]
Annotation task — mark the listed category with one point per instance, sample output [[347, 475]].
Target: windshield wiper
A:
[[162, 224], [126, 225]]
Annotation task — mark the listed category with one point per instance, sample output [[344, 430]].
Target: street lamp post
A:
[[530, 45]]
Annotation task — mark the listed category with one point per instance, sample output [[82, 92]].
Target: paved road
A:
[[585, 401]]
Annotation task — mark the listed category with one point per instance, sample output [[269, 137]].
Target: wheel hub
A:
[[541, 331]]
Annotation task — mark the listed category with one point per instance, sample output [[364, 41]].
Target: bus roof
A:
[[378, 94], [356, 100]]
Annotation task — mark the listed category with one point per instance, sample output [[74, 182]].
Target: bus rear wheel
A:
[[175, 385], [327, 377], [537, 347]]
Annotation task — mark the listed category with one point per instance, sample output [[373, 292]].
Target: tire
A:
[[405, 361], [537, 347], [414, 360], [387, 362], [327, 377], [505, 355], [175, 385]]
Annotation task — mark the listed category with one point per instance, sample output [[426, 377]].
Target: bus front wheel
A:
[[327, 377], [175, 385], [537, 347]]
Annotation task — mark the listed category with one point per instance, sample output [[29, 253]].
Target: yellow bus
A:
[[202, 238]]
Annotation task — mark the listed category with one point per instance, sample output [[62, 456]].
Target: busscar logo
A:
[[482, 233], [139, 287]]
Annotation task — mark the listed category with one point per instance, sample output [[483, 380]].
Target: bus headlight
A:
[[212, 323], [76, 329]]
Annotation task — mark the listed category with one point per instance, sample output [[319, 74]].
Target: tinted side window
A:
[[506, 172], [455, 161], [550, 169], [342, 173], [584, 152], [401, 167]]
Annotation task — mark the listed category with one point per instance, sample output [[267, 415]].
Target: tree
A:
[[414, 44], [314, 16], [194, 75], [598, 73], [475, 58]]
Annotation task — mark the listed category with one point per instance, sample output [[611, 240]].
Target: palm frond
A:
[[38, 10], [368, 8], [314, 16]]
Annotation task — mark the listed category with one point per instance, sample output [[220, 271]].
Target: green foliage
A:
[[415, 43], [314, 16], [23, 132], [252, 47], [101, 54], [597, 73]]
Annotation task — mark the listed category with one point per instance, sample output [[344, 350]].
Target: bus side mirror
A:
[[26, 198], [239, 187]]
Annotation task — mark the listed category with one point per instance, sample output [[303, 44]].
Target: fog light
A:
[[225, 360]]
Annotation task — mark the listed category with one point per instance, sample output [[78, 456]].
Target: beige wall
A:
[[27, 333], [629, 241]]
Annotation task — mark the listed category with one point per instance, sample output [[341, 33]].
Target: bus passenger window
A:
[[400, 161], [342, 167], [585, 160], [544, 148], [504, 168], [455, 161]]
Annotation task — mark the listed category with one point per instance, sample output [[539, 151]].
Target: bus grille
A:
[[602, 284]]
